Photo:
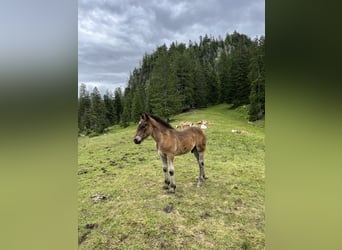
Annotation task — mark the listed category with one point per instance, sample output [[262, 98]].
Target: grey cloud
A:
[[114, 35]]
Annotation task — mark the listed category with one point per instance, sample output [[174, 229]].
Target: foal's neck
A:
[[158, 130]]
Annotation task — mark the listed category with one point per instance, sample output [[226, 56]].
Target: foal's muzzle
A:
[[137, 140]]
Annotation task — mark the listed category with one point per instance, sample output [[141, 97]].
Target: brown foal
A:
[[170, 143]]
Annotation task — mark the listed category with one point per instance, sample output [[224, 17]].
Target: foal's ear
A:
[[144, 116]]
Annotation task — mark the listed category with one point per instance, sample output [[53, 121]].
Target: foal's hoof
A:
[[165, 186], [172, 190], [199, 184]]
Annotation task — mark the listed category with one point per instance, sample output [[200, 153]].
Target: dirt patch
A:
[[123, 237], [169, 208], [112, 163], [205, 215], [83, 171], [83, 237], [91, 226], [246, 245], [98, 197], [238, 202], [127, 156]]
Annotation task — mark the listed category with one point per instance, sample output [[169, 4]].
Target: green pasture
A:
[[121, 203]]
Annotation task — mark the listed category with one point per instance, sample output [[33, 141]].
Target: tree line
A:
[[181, 77]]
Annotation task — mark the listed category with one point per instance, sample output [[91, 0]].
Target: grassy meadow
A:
[[121, 203]]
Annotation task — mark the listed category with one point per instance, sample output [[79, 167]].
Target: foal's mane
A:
[[161, 121]]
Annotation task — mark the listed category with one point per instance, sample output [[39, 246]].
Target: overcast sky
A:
[[114, 35]]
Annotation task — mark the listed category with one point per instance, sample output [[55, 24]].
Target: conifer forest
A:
[[181, 77]]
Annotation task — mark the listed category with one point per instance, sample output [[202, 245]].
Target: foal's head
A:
[[144, 129]]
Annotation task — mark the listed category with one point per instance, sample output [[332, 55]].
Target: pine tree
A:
[[127, 105], [239, 74], [117, 105], [164, 98], [109, 107], [213, 92], [224, 71], [147, 103], [98, 118], [183, 68], [200, 86], [137, 105], [84, 104], [256, 77]]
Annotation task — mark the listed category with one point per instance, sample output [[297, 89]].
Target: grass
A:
[[134, 212]]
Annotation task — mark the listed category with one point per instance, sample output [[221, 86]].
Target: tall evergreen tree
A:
[[147, 103], [109, 107], [84, 104], [98, 118], [256, 77], [239, 74], [224, 71], [200, 86], [117, 105], [126, 111], [164, 98], [137, 105], [183, 68], [213, 91]]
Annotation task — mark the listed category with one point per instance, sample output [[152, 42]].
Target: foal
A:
[[170, 143]]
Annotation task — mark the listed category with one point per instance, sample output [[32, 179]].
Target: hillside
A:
[[122, 204], [180, 77]]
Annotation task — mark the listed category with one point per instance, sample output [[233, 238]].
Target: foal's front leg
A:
[[165, 168]]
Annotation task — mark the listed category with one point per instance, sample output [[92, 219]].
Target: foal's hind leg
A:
[[200, 159], [170, 159]]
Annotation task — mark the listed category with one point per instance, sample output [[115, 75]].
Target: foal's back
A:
[[189, 139]]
